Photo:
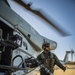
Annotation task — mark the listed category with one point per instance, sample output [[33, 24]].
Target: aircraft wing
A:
[[32, 36]]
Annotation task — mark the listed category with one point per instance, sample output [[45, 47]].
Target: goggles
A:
[[47, 46]]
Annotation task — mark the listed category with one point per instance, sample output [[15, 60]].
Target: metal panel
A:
[[14, 19]]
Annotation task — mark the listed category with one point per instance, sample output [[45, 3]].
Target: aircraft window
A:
[[17, 58], [25, 45], [16, 39]]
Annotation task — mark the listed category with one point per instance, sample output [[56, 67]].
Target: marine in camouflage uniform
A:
[[46, 58], [49, 59]]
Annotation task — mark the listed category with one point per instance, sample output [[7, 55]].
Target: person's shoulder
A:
[[54, 54], [40, 55]]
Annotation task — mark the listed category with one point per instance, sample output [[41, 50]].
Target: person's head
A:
[[46, 46]]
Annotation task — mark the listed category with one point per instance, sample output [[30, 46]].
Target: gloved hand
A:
[[64, 69]]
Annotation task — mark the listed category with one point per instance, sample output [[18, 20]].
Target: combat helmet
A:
[[46, 44]]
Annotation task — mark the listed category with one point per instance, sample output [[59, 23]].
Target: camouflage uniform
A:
[[49, 60]]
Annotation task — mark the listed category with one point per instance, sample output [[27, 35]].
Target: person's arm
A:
[[57, 62]]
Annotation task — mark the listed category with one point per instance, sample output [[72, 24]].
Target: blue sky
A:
[[60, 11]]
